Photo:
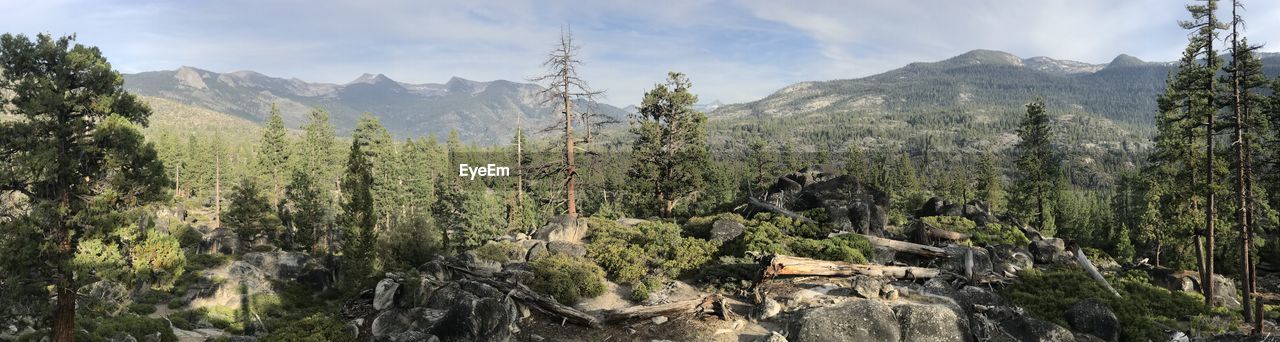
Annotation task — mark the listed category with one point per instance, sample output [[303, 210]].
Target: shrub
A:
[[989, 235], [177, 303], [186, 235], [651, 248], [410, 243], [848, 247], [317, 327], [1141, 310], [136, 326], [567, 278], [498, 251], [142, 308], [762, 237], [206, 261]]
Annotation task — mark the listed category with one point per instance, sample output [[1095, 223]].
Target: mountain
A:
[[969, 103], [482, 112]]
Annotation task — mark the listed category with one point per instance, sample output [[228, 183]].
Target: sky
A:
[[733, 51]]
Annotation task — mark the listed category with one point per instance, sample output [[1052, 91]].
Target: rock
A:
[[976, 211], [850, 204], [855, 320], [766, 310], [889, 292], [658, 320], [774, 336], [970, 296], [567, 248], [1007, 260], [537, 250], [1087, 338], [476, 263], [724, 230], [410, 336], [385, 294], [278, 265], [1225, 291], [955, 260], [1050, 251], [563, 228], [1091, 317], [122, 337], [474, 312], [867, 286], [931, 323], [221, 240], [882, 255], [1009, 324], [932, 207], [395, 322]]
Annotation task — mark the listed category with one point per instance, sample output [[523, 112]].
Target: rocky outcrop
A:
[[563, 228], [279, 265], [851, 205], [1090, 316], [855, 320], [1050, 251], [931, 323], [567, 248], [1011, 324]]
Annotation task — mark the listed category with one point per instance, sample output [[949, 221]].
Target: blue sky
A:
[[733, 51]]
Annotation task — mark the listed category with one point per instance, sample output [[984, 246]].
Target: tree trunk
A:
[[1210, 203], [903, 246], [569, 172], [780, 265]]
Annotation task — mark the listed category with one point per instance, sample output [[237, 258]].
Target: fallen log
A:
[[785, 265], [531, 298], [711, 303], [1093, 272], [766, 206], [901, 246]]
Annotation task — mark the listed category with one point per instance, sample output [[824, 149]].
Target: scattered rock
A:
[[563, 228], [567, 248], [385, 294], [888, 292], [955, 260], [1091, 317], [774, 336], [1010, 324], [279, 264], [932, 323], [855, 320], [1007, 260], [724, 230], [766, 310], [658, 320], [1050, 251], [867, 286], [476, 263], [537, 249]]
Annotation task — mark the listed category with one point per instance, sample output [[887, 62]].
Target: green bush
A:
[[136, 326], [847, 247], [142, 308], [186, 235], [629, 254], [700, 226], [206, 261], [152, 297], [315, 328], [498, 251], [567, 278], [762, 237], [1142, 308], [989, 235], [176, 303]]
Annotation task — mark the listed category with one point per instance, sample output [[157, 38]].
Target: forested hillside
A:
[[983, 197]]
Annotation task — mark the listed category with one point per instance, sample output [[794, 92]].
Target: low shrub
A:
[[847, 247], [567, 278], [988, 235], [142, 308], [197, 262], [700, 226], [314, 328], [1142, 309], [498, 251], [629, 254], [136, 326]]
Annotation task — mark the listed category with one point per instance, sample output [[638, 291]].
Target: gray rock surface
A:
[[855, 320]]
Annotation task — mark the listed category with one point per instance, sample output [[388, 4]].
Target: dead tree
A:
[[563, 87]]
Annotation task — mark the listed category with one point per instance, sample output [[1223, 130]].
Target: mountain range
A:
[[970, 100], [482, 112]]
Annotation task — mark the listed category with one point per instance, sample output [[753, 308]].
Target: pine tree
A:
[[1246, 80], [306, 211], [273, 155], [75, 154], [318, 158], [359, 219], [762, 163], [379, 151], [855, 163], [670, 151], [989, 189], [1201, 91], [1038, 165], [249, 213]]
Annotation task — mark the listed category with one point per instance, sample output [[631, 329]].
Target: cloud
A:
[[733, 51]]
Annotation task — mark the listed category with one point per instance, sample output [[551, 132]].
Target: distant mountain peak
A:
[[368, 78], [1124, 60], [980, 56], [190, 77]]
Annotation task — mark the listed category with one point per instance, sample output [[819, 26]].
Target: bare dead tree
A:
[[564, 87]]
